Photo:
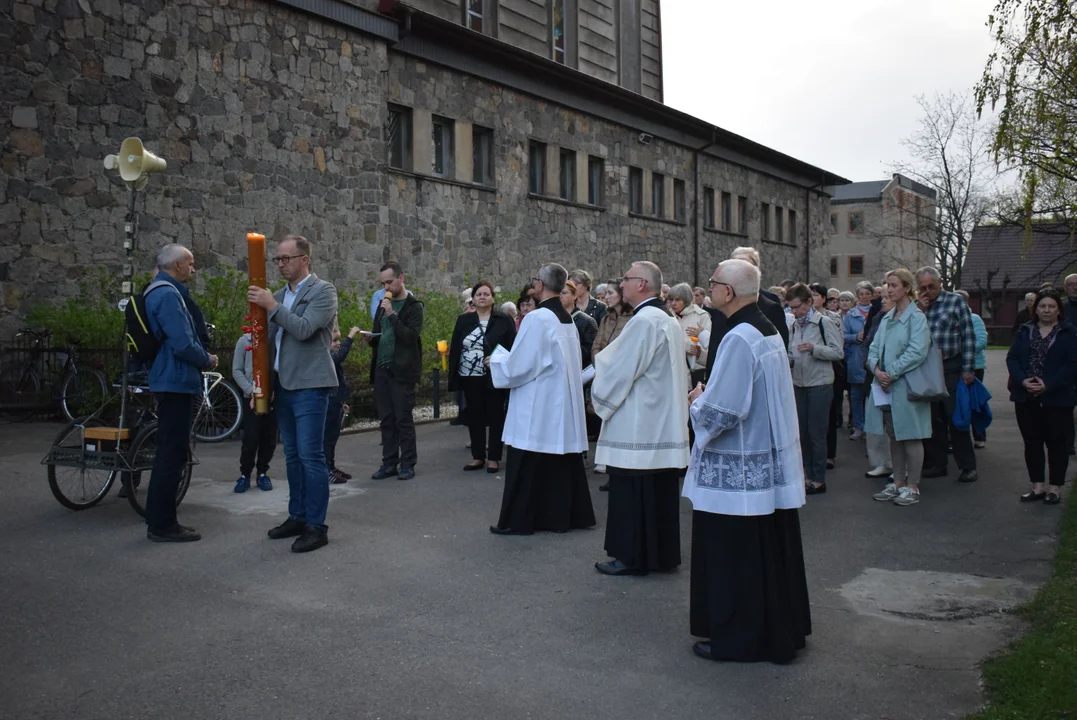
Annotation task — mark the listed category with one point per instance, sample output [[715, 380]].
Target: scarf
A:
[[803, 322]]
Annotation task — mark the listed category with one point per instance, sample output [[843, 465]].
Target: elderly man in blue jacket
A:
[[173, 378]]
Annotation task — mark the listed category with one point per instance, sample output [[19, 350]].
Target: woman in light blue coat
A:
[[900, 345]]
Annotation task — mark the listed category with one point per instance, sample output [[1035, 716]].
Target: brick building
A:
[[464, 138]]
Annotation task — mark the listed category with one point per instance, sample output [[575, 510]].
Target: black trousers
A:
[[980, 436], [486, 408], [334, 416], [395, 401], [836, 403], [944, 434], [1045, 426], [169, 461], [259, 440]]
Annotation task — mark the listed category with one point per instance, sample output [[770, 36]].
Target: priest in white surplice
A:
[[545, 429], [641, 381], [749, 595]]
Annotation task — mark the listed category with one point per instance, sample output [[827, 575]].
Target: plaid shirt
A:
[[951, 329]]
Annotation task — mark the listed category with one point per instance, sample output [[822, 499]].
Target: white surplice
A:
[[746, 459], [543, 372], [640, 392]]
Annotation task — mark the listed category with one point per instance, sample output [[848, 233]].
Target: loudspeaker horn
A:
[[136, 161]]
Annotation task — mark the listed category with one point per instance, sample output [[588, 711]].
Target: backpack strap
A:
[[156, 284]]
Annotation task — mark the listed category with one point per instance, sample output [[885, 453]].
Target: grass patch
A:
[[998, 347], [1036, 677]]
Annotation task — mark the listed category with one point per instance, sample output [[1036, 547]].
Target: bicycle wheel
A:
[[217, 413], [18, 386], [83, 392], [79, 482], [140, 459]]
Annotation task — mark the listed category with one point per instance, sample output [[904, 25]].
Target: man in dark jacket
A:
[[768, 302], [394, 371]]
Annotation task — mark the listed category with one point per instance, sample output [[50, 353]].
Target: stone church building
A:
[[464, 138]]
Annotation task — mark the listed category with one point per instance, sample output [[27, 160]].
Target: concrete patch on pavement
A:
[[216, 494], [938, 596]]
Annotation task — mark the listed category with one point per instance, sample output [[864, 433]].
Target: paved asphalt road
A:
[[415, 610]]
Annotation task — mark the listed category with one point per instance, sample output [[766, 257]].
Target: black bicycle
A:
[[81, 388]]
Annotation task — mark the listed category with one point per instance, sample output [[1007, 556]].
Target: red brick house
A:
[[1001, 266]]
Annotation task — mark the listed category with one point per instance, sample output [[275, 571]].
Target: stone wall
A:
[[271, 120]]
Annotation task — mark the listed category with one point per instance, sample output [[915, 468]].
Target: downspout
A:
[[697, 192]]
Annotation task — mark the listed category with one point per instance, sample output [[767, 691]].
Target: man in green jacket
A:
[[394, 371]]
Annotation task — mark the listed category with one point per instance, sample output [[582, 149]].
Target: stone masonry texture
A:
[[272, 121]]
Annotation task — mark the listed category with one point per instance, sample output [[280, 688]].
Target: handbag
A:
[[927, 381]]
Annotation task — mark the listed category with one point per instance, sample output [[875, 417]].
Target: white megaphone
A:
[[136, 161]]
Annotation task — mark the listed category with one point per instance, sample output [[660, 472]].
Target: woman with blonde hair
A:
[[900, 346]]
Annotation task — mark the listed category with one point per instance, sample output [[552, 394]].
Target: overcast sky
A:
[[833, 84]]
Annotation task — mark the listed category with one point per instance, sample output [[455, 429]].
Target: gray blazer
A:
[[305, 361]]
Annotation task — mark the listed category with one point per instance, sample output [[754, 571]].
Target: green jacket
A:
[[900, 346]]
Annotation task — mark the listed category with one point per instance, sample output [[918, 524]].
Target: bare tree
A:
[[951, 154]]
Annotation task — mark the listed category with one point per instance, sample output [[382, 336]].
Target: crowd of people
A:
[[684, 391]]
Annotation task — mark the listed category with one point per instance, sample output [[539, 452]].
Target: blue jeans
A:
[[857, 397], [301, 419], [813, 412]]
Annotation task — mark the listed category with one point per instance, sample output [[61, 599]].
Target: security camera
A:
[[645, 138]]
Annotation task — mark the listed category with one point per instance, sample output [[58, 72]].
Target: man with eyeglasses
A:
[[302, 315], [641, 381], [749, 594], [768, 302]]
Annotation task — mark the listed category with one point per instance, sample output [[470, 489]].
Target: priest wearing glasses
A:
[[749, 595], [545, 430], [641, 382]]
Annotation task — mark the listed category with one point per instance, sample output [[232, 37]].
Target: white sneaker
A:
[[857, 435], [907, 496], [878, 471], [887, 493]]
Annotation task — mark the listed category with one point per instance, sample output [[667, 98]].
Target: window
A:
[[474, 14], [742, 215], [856, 222], [482, 150], [635, 190], [833, 222], [596, 176], [727, 212], [708, 207], [779, 224], [568, 174], [557, 30], [792, 227], [833, 267], [658, 195], [537, 167], [680, 213], [398, 137], [764, 221], [856, 265], [443, 139]]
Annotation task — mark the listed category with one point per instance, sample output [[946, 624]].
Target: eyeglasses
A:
[[283, 259], [712, 282]]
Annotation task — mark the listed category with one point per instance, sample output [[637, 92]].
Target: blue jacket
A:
[[855, 351], [971, 408], [1059, 367], [178, 366]]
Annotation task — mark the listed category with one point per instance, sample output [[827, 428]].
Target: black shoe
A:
[[311, 539], [493, 470], [810, 489], [407, 472], [830, 464], [1052, 499], [505, 531], [968, 476], [1033, 496], [474, 468], [933, 472], [703, 649], [604, 488], [385, 471], [618, 568], [288, 528], [178, 534]]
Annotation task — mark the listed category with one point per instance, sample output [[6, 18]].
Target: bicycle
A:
[[217, 410], [81, 388]]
